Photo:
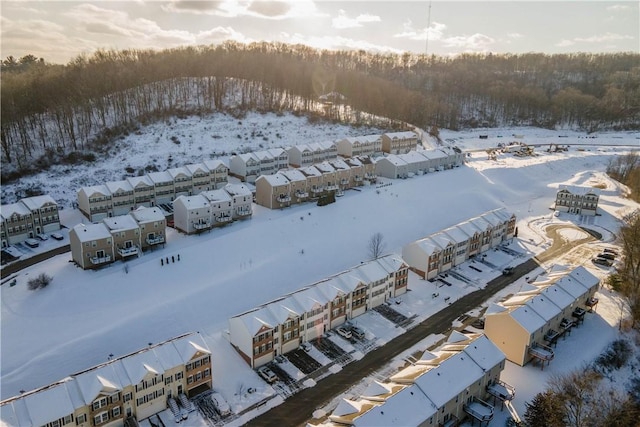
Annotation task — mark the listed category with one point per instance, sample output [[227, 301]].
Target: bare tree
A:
[[376, 245], [629, 269]]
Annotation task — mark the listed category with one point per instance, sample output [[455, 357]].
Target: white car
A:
[[344, 332], [32, 243], [221, 404], [57, 236], [42, 236], [267, 374]]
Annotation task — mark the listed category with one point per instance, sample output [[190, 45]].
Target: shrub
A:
[[615, 357], [40, 281]]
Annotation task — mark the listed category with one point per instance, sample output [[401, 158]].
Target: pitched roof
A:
[[36, 202], [118, 186], [121, 222], [144, 214], [89, 232], [197, 201]]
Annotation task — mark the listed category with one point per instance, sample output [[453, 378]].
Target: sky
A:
[[59, 31]]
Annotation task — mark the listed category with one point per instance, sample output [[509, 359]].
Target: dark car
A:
[[607, 255], [602, 261], [610, 251]]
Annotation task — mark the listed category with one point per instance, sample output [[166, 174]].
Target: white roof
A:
[[215, 164], [116, 186], [405, 134], [197, 201], [50, 404], [325, 167], [457, 233], [544, 307], [408, 407], [572, 286], [14, 208], [484, 352], [216, 196], [106, 379], [174, 172], [144, 214], [277, 152], [585, 277], [370, 272], [433, 154], [258, 318], [237, 190], [293, 175], [160, 177], [136, 181], [412, 157], [427, 245], [121, 222], [36, 202], [308, 298], [197, 167], [275, 179], [394, 160], [352, 161], [527, 318], [89, 232], [99, 189], [310, 171], [579, 190], [363, 139], [558, 296], [391, 263]]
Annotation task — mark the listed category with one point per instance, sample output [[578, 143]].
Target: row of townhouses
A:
[[527, 325], [282, 325], [249, 166], [28, 217], [577, 200], [119, 237], [293, 186], [443, 388], [156, 188], [136, 386], [214, 208], [418, 162], [445, 249]]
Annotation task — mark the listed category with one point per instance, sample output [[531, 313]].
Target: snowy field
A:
[[84, 316]]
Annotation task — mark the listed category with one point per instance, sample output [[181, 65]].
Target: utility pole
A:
[[426, 51]]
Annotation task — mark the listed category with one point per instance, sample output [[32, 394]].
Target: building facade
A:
[[399, 142], [577, 200], [27, 218]]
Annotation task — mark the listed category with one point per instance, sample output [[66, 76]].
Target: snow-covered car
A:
[[344, 332], [221, 404], [267, 374], [42, 236], [32, 243], [357, 332], [57, 236], [306, 346]]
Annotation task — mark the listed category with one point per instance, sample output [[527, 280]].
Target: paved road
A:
[[18, 265], [298, 409]]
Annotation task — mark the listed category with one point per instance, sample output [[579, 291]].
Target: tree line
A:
[[50, 110]]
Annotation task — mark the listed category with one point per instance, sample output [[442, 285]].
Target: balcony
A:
[[243, 212], [154, 240], [284, 198], [358, 178], [100, 260], [331, 187], [125, 252], [479, 409], [501, 390], [551, 336], [592, 302], [224, 219], [541, 352], [566, 324], [578, 313], [201, 225], [301, 194], [317, 190], [344, 181]]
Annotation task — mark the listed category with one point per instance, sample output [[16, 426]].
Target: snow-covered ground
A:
[[83, 316]]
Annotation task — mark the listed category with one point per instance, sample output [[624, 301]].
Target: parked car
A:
[[221, 404], [357, 332], [306, 346], [507, 271], [610, 251], [344, 332], [32, 243], [42, 236], [602, 261], [57, 236], [267, 374], [607, 255]]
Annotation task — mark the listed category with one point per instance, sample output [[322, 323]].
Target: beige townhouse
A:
[[143, 191], [152, 225], [182, 181], [578, 200], [280, 326], [369, 167], [218, 173], [356, 176], [329, 176], [17, 223], [300, 156], [95, 202], [119, 392], [126, 236], [343, 174], [44, 211], [221, 204], [273, 191], [364, 145], [192, 214], [444, 387], [445, 249], [247, 167], [122, 198], [91, 245], [399, 142], [200, 179], [527, 325], [163, 186], [315, 182], [298, 185], [241, 200]]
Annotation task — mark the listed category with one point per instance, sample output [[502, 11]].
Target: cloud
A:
[[602, 38], [618, 7], [219, 34], [435, 32], [515, 36], [265, 9], [474, 43], [335, 43], [565, 43], [342, 21]]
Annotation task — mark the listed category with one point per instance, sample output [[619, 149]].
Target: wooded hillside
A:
[[49, 111]]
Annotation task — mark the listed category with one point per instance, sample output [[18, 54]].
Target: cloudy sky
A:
[[60, 30]]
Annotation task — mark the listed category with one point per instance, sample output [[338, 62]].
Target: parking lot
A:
[[392, 315], [303, 361], [332, 350]]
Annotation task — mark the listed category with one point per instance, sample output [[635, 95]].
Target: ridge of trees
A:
[[50, 110]]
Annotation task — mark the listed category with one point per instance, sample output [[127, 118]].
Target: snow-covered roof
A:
[[197, 201], [573, 287], [391, 263], [310, 171], [293, 175], [49, 404], [545, 307], [558, 296], [484, 352], [427, 245], [216, 196], [370, 272], [442, 239], [197, 168], [412, 157], [401, 135], [363, 139], [238, 189], [89, 232], [140, 181], [119, 186], [352, 161], [14, 208], [433, 154], [394, 159], [277, 152], [36, 202], [160, 177], [144, 214], [215, 164], [106, 379], [339, 164], [528, 318], [325, 167], [275, 179], [377, 391], [579, 190], [458, 233], [246, 157], [348, 410], [585, 277], [121, 222], [409, 407], [92, 190], [174, 172], [258, 318]]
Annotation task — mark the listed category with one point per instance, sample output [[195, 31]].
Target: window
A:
[[115, 412], [168, 380], [178, 376], [102, 417], [81, 419], [207, 372], [189, 379], [127, 397]]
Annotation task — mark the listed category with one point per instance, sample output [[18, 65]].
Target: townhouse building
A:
[[399, 142], [122, 390], [241, 200], [192, 214], [298, 185], [28, 217], [445, 249], [116, 198], [364, 145], [280, 326], [126, 236], [152, 224], [356, 175], [273, 191], [577, 200], [329, 176], [444, 387], [417, 162], [315, 182], [91, 245], [221, 204], [528, 325], [304, 155]]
